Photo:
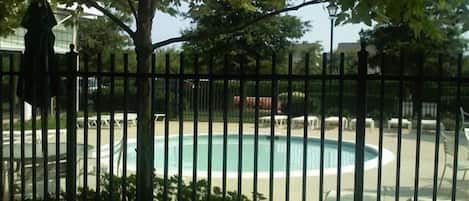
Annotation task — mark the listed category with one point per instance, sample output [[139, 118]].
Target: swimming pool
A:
[[279, 162]]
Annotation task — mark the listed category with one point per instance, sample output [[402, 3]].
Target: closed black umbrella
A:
[[38, 79]]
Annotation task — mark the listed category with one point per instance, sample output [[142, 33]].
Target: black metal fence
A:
[[245, 126]]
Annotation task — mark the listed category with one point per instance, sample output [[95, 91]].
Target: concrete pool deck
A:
[[407, 173]]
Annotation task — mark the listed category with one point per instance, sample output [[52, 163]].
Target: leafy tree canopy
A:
[[276, 34], [412, 13], [451, 23], [421, 16], [10, 12], [392, 38], [101, 36]]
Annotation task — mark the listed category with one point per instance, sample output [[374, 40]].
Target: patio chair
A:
[[120, 153], [118, 149], [464, 114], [463, 165], [51, 181], [465, 126], [51, 165]]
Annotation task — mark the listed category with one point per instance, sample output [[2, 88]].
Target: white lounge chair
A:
[[131, 119], [429, 113], [394, 122], [368, 121], [159, 117], [407, 111], [93, 121], [334, 121], [279, 120], [427, 124], [429, 110], [313, 121]]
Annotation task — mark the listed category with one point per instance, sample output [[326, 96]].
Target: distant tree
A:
[[422, 17], [300, 51], [396, 39], [173, 55], [276, 34], [101, 36], [10, 15], [393, 37]]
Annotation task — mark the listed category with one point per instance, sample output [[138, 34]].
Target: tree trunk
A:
[[145, 145]]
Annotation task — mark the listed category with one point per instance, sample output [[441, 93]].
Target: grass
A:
[[28, 125]]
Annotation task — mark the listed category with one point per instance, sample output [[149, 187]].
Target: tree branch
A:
[[205, 35], [132, 8], [111, 16]]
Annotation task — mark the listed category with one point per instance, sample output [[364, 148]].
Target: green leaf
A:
[[347, 4]]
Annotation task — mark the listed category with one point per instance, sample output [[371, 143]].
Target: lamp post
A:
[[332, 9]]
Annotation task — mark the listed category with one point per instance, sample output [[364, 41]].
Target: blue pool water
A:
[[279, 151]]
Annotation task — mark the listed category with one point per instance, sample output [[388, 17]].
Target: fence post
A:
[[71, 124], [361, 116]]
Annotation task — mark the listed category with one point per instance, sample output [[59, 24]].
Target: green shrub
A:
[[116, 191], [297, 103]]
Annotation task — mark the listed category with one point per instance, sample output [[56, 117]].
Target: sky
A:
[[166, 26]]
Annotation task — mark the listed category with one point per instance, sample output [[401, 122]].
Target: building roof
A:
[[354, 47], [89, 13], [348, 47]]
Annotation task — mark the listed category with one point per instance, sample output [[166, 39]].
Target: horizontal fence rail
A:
[[239, 127]]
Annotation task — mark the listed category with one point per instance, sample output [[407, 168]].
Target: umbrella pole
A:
[[44, 132]]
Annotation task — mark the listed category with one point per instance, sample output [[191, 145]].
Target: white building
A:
[[65, 33]]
